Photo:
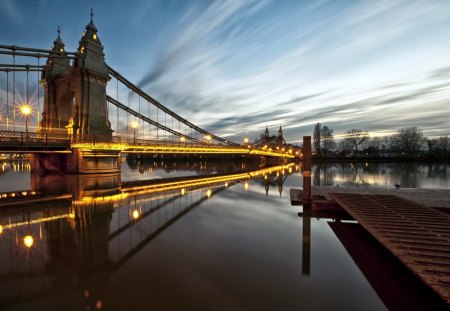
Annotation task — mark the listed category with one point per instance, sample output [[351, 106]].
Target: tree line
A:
[[408, 142]]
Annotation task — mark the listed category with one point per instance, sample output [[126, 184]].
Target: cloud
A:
[[12, 11]]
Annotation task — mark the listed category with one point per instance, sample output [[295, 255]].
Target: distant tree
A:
[[373, 146], [356, 137], [344, 148], [444, 145], [317, 138], [439, 148], [409, 140], [328, 143]]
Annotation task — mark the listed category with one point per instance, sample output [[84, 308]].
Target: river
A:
[[202, 236]]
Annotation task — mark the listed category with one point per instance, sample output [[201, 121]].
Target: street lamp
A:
[[26, 111], [208, 138], [134, 126], [245, 140]]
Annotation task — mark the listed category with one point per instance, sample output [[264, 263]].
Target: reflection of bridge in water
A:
[[73, 242]]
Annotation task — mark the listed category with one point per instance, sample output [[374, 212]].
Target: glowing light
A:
[[245, 140], [1, 229], [82, 50], [246, 186], [183, 191], [25, 109], [182, 139], [208, 138], [136, 214], [134, 124], [94, 36], [61, 50], [208, 193], [226, 185], [265, 177], [28, 241]]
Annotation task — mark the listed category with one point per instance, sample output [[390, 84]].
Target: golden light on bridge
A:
[[134, 125], [183, 191], [136, 214], [25, 109], [182, 139], [28, 241], [246, 186], [1, 229], [208, 138], [208, 193], [245, 140]]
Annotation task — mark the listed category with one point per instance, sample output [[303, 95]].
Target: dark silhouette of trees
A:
[[355, 138], [323, 141], [328, 143], [316, 139], [439, 148], [409, 140]]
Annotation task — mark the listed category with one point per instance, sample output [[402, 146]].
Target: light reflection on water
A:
[[200, 245], [406, 174]]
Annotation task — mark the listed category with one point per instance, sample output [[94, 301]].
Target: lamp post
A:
[[26, 110], [208, 138], [134, 125]]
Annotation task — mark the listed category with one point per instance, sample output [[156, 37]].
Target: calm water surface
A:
[[229, 243]]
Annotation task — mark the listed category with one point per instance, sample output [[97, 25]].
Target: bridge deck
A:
[[418, 236]]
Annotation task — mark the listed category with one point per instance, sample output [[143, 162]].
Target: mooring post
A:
[[306, 168]]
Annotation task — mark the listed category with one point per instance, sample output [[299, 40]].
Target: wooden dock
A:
[[408, 222]]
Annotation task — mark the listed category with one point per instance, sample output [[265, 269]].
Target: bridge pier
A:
[[78, 161]]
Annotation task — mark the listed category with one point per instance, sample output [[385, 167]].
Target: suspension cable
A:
[[117, 98], [38, 99], [128, 114], [7, 100], [14, 93]]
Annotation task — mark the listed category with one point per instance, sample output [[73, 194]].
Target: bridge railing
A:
[[131, 142], [31, 140]]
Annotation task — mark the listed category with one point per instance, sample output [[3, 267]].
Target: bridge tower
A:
[[75, 104], [75, 94], [280, 137]]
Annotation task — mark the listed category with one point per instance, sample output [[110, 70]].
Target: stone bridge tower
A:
[[75, 94]]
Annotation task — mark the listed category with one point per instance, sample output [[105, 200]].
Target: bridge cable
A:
[[150, 126], [117, 97], [7, 100], [26, 92], [147, 119], [128, 114], [163, 108], [14, 93], [38, 109]]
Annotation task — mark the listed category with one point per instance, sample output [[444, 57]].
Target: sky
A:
[[235, 67]]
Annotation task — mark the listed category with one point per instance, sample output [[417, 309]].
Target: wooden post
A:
[[306, 245], [306, 168]]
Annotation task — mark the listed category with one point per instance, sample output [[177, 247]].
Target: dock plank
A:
[[417, 235]]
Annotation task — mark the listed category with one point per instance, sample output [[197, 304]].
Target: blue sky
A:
[[234, 67]]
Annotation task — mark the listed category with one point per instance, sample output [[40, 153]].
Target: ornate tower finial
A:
[[92, 14], [59, 30]]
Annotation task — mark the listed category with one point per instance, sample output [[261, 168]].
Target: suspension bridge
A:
[[82, 114]]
